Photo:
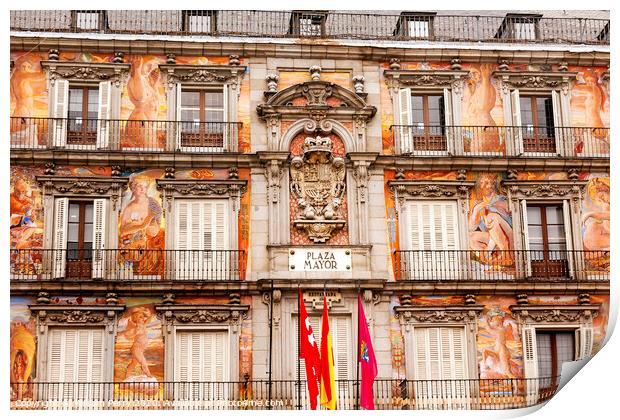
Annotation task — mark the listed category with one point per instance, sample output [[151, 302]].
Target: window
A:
[[89, 20], [199, 21], [83, 110], [308, 23], [547, 238], [80, 114], [202, 115], [202, 240], [538, 125], [553, 349], [519, 27], [416, 25], [79, 230], [201, 365], [425, 122], [74, 355], [431, 239]]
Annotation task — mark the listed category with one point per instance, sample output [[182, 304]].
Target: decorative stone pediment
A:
[[105, 315], [316, 94], [89, 186], [425, 79], [403, 189], [535, 80], [200, 75], [202, 314], [552, 190], [318, 186], [555, 314], [438, 314], [171, 188], [84, 71]]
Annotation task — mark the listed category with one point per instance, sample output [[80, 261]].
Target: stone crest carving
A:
[[318, 186]]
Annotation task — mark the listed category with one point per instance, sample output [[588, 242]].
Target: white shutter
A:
[[103, 115], [527, 259], [517, 128], [177, 119], [405, 120], [449, 120], [558, 123], [342, 344], [100, 217], [440, 353], [228, 138], [182, 229], [60, 112], [61, 219], [530, 364], [569, 238]]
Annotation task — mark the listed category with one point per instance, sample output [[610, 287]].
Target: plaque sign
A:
[[319, 259]]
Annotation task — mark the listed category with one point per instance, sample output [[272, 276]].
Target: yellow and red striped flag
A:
[[328, 381]]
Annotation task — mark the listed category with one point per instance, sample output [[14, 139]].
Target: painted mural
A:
[[490, 223], [595, 223], [23, 347], [397, 342]]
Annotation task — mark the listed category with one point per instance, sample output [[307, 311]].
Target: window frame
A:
[[403, 24], [536, 143], [203, 123]]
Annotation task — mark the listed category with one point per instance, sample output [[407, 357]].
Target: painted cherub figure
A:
[[137, 330]]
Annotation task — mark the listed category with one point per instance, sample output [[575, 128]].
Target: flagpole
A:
[[270, 341], [357, 360], [298, 347]]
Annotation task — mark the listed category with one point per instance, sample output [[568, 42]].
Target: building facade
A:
[[178, 176]]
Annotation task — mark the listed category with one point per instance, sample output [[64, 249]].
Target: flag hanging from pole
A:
[[366, 358], [309, 351], [328, 382]]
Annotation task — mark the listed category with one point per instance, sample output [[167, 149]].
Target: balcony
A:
[[75, 134], [382, 25], [478, 266], [390, 394], [494, 141], [127, 265]]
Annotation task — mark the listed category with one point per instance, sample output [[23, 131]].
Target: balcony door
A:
[[83, 112], [537, 117], [553, 349], [431, 240], [202, 240], [547, 240], [202, 118]]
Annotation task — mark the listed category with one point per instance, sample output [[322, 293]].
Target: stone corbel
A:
[[83, 186], [81, 71], [555, 314]]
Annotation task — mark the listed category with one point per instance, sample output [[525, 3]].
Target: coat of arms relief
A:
[[318, 186]]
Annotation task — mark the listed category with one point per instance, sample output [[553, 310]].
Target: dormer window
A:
[[199, 21], [308, 23], [415, 25], [519, 27], [603, 36], [89, 20]]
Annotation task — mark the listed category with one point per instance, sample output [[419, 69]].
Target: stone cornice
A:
[[202, 314], [76, 314], [86, 71], [201, 187], [555, 314], [561, 189]]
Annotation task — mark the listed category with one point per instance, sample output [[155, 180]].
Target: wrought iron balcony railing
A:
[[381, 25], [389, 394], [510, 265], [510, 141], [124, 135], [127, 265]]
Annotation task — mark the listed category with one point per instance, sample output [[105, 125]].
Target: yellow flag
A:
[[328, 381]]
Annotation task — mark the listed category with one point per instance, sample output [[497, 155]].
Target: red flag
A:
[[366, 358], [310, 352]]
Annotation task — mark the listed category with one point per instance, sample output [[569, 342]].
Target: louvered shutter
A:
[[178, 120], [59, 101], [61, 219], [405, 120], [569, 237], [103, 115], [558, 123], [182, 229], [530, 363], [527, 258], [517, 128], [100, 217], [227, 130], [448, 120]]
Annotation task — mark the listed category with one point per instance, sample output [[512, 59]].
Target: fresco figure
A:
[[26, 83], [592, 97], [490, 223], [23, 348], [482, 95], [497, 362], [142, 90], [137, 330], [595, 222], [141, 234], [25, 230]]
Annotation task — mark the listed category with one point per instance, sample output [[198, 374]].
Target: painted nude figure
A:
[[136, 330], [496, 362], [142, 91]]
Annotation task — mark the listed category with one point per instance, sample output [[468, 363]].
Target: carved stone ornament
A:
[[425, 79], [117, 73], [90, 186], [200, 188], [318, 186], [172, 314], [199, 74], [555, 314], [76, 314], [407, 189], [570, 189], [535, 80], [315, 298], [438, 314]]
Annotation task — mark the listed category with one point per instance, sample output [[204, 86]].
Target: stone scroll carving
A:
[[318, 185]]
